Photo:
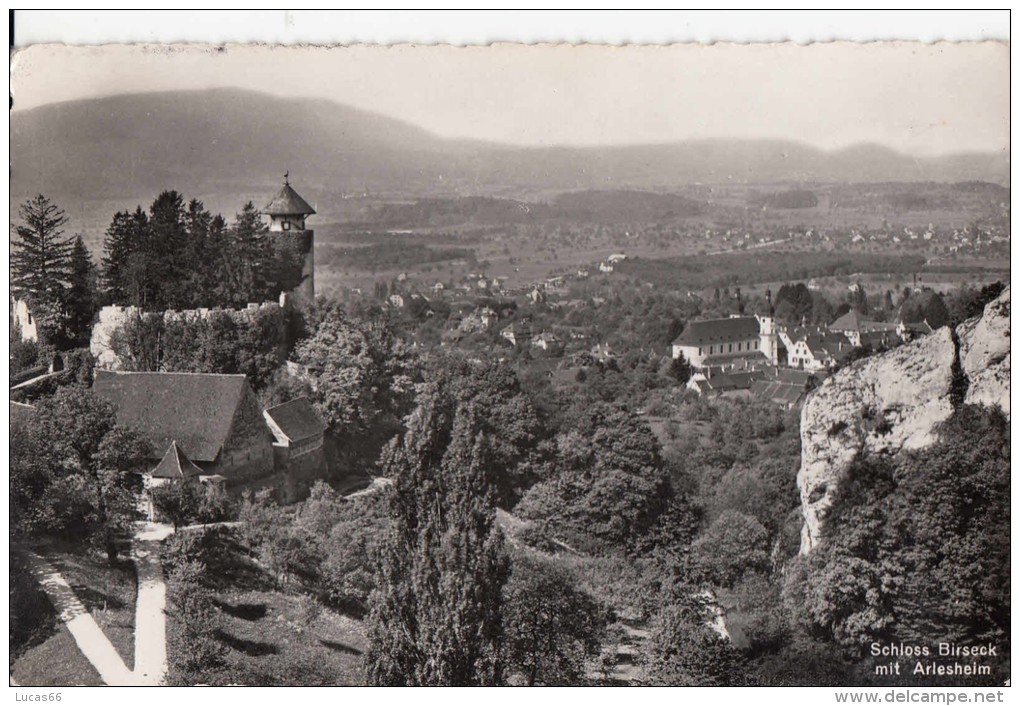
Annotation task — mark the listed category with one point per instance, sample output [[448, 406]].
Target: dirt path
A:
[[150, 618]]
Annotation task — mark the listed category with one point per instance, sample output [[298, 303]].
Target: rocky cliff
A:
[[895, 400]]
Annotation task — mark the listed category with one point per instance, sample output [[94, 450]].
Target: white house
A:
[[24, 321]]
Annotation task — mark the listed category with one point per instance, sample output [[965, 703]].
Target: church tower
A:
[[769, 339], [287, 213]]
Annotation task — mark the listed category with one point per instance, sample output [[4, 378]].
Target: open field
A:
[[526, 241]]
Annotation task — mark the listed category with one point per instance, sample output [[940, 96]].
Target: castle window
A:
[[286, 224], [730, 348], [739, 345]]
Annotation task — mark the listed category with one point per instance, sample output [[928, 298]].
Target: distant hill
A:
[[225, 145]]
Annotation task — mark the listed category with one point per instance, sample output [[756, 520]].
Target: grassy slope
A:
[[109, 595], [57, 661], [274, 637], [108, 592]]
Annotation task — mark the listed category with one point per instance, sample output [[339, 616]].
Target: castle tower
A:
[[287, 213], [769, 338]]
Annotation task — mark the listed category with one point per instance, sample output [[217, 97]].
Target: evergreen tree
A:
[[200, 253], [79, 303], [681, 369], [40, 259], [245, 266], [125, 237], [436, 617], [858, 299], [170, 254]]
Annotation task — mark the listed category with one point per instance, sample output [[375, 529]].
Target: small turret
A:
[[287, 213]]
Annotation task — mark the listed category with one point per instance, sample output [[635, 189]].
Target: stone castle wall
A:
[[111, 318]]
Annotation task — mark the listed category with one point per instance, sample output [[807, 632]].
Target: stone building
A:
[[287, 213], [299, 434], [214, 423], [214, 419]]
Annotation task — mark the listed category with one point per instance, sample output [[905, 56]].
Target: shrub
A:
[[734, 545], [193, 648]]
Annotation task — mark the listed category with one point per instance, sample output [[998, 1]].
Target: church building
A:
[[737, 341]]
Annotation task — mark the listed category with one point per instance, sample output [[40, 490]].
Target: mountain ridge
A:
[[229, 143]]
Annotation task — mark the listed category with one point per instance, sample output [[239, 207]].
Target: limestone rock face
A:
[[895, 400], [984, 355]]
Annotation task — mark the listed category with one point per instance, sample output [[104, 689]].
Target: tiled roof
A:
[[737, 328], [850, 321], [793, 377], [879, 339], [175, 465], [194, 409], [297, 419], [855, 321], [748, 358], [776, 391], [918, 327], [288, 203]]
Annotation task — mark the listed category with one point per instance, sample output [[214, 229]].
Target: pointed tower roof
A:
[[175, 465], [288, 203]]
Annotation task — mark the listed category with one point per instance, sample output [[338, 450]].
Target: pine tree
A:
[[79, 302], [40, 259], [436, 618], [247, 256], [124, 261], [170, 254]]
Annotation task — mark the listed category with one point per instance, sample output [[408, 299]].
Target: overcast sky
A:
[[918, 98]]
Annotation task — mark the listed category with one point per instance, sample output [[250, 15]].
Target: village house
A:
[[518, 333], [861, 331], [815, 348], [22, 320], [214, 422], [853, 324], [602, 353], [548, 342], [724, 384], [214, 419]]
